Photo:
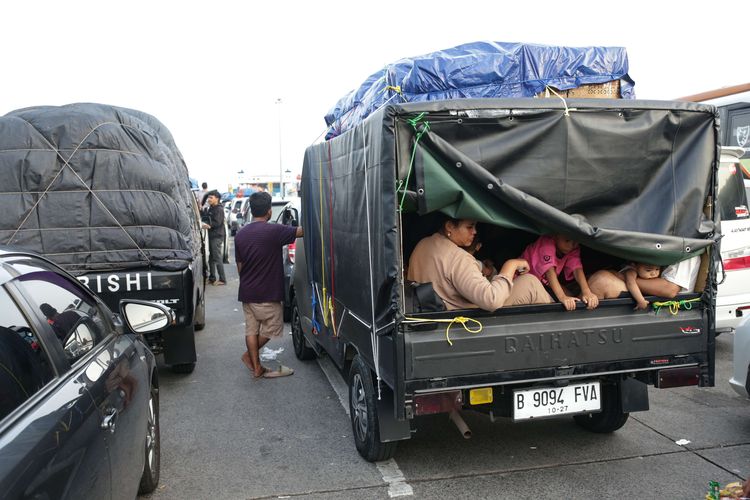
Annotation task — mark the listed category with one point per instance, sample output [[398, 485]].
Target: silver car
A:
[[740, 380]]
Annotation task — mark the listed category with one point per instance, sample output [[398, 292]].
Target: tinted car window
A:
[[73, 315], [732, 197], [24, 365]]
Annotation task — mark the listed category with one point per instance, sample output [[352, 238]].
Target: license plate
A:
[[552, 401]]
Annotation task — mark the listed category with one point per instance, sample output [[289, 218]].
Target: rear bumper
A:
[[729, 313]]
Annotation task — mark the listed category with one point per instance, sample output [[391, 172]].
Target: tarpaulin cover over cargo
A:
[[95, 187], [626, 177], [481, 70]]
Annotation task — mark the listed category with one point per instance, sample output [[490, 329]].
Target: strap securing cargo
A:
[[461, 320], [674, 306]]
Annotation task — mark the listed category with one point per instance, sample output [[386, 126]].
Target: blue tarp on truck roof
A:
[[481, 70]]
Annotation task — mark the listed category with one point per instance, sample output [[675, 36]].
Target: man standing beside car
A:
[[257, 250], [216, 235]]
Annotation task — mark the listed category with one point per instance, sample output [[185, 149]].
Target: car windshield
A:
[[732, 197]]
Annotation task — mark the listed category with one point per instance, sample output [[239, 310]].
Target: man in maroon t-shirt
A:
[[257, 251]]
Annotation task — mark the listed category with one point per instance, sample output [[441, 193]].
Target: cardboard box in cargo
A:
[[606, 90]]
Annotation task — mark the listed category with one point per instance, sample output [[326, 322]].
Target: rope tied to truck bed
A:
[[461, 320], [420, 131], [674, 306]]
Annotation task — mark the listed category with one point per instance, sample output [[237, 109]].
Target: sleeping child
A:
[[552, 256], [629, 273]]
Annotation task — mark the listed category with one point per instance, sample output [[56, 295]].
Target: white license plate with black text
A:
[[551, 401]]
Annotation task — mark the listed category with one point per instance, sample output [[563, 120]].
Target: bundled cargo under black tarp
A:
[[96, 187], [627, 178]]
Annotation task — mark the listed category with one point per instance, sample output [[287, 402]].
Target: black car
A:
[[79, 394]]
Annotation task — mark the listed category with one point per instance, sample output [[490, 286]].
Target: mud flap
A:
[[633, 395], [391, 429], [179, 345]]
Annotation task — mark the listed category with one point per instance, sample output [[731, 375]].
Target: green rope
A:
[[425, 128], [674, 305]]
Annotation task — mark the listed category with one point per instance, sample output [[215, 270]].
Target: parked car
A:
[[289, 215], [277, 205], [237, 208], [79, 392], [740, 380], [733, 297]]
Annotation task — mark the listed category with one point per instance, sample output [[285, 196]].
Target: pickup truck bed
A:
[[614, 337]]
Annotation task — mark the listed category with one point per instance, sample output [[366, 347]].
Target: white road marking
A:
[[397, 485], [389, 470]]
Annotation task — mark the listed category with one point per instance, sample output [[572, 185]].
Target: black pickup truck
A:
[[104, 192], [630, 180]]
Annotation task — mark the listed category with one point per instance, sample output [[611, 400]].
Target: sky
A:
[[213, 72]]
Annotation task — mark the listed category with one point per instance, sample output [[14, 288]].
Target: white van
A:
[[733, 298]]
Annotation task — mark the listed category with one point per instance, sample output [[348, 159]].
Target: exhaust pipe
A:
[[460, 424]]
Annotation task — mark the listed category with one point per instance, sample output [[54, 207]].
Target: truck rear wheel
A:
[[610, 418], [363, 411], [301, 349]]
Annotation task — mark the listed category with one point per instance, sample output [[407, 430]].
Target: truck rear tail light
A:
[[736, 259], [678, 377], [291, 251], [440, 402]]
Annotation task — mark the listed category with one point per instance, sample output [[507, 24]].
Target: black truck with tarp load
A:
[[104, 192], [630, 180]]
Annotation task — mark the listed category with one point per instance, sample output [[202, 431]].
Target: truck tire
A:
[[183, 368], [151, 467], [610, 418], [301, 348], [200, 314], [363, 411]]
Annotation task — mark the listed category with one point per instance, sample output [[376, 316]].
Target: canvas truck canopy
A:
[[96, 187], [483, 70], [628, 178]]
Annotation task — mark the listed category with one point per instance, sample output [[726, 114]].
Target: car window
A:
[[24, 364], [276, 211], [732, 196], [74, 316]]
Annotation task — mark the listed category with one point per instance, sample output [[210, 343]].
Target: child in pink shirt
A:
[[551, 256]]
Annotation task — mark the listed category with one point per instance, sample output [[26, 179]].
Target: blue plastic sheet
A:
[[481, 70]]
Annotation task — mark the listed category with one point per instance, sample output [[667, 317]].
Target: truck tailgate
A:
[[551, 339]]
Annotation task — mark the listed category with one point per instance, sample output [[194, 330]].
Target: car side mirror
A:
[[143, 316]]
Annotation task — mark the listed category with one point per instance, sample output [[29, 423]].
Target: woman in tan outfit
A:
[[440, 259]]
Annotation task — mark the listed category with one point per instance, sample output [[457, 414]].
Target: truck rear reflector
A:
[[441, 402], [737, 263], [678, 377], [292, 251]]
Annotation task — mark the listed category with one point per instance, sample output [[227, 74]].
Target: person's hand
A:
[[522, 266], [641, 304], [487, 268], [591, 300], [569, 302], [205, 226]]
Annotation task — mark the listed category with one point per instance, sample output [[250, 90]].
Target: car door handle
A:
[[110, 420]]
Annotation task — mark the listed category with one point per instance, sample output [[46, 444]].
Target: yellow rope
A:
[[674, 306], [462, 320]]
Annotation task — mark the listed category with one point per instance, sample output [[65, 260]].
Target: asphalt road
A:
[[225, 435]]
